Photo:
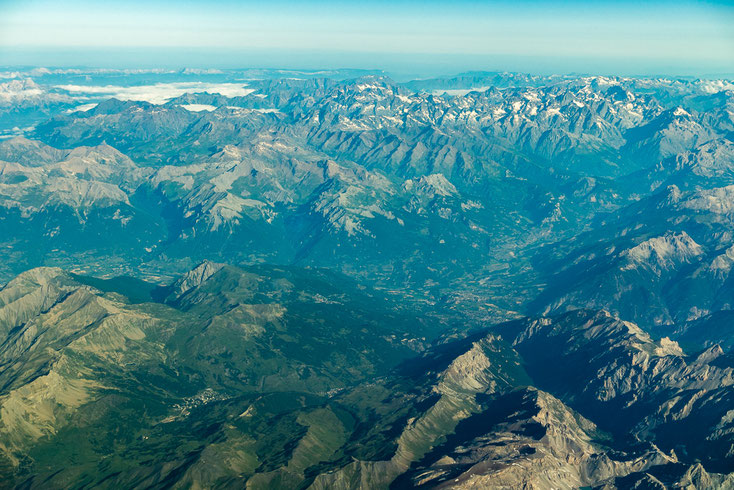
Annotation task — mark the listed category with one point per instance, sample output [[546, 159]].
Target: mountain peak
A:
[[664, 252], [193, 279]]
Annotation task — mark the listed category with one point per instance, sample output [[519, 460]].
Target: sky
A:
[[615, 37]]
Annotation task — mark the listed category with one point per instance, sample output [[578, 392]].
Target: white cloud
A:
[[40, 71], [198, 107], [16, 131], [158, 93], [82, 108]]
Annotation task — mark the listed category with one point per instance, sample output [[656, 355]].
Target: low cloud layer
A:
[[158, 93]]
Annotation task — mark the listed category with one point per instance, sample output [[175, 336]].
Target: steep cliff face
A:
[[631, 383], [481, 431], [430, 396], [671, 476], [527, 439]]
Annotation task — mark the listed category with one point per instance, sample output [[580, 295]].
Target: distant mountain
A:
[[23, 103]]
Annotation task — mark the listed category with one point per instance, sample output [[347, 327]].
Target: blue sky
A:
[[681, 37]]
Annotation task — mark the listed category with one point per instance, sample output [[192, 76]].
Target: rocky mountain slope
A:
[[332, 173], [279, 377], [270, 279], [78, 360]]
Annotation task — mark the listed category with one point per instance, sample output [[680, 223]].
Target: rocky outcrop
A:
[[631, 383], [527, 439]]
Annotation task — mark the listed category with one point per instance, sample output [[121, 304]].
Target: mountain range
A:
[[338, 280]]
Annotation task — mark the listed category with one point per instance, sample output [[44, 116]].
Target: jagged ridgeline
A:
[[90, 378], [473, 191], [330, 280], [282, 377]]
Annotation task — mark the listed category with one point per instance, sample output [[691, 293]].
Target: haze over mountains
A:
[[280, 279]]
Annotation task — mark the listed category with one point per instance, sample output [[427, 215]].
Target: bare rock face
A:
[[631, 383], [29, 294], [450, 387], [527, 439], [671, 476], [83, 178], [192, 279], [483, 433]]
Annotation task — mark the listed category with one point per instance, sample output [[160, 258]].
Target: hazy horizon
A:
[[404, 38]]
